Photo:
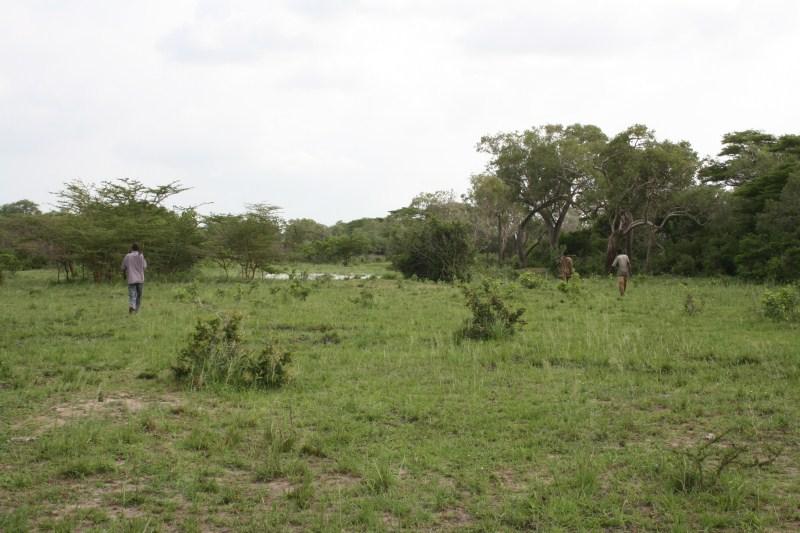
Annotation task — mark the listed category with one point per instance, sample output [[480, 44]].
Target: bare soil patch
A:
[[112, 406], [455, 518]]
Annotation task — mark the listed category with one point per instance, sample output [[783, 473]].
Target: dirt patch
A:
[[455, 518], [337, 481], [279, 487], [390, 521], [509, 481], [112, 406], [91, 495]]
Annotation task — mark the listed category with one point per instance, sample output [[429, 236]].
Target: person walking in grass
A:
[[565, 268], [133, 267], [623, 265]]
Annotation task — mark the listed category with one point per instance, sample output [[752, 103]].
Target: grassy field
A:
[[600, 414]]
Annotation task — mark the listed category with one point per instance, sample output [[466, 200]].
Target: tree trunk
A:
[[520, 240], [650, 242], [501, 245]]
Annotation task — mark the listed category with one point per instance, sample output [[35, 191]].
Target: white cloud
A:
[[343, 109]]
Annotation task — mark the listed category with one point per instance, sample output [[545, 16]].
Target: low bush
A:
[[573, 287], [491, 316], [188, 293], [532, 280], [298, 289], [782, 304], [700, 468], [216, 354]]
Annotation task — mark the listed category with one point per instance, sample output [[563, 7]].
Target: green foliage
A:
[[492, 318], [573, 287], [567, 426], [20, 207], [216, 354], [299, 233], [298, 289], [548, 170], [365, 298], [532, 280], [782, 304], [432, 249], [97, 225], [188, 293], [251, 240], [337, 248]]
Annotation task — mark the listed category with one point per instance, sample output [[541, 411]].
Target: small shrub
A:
[[297, 289], [216, 354], [782, 304], [491, 316], [271, 367], [573, 287], [532, 280], [189, 293], [700, 468], [241, 292]]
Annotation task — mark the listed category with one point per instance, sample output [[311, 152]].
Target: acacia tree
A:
[[98, 223], [548, 170], [640, 185], [251, 240]]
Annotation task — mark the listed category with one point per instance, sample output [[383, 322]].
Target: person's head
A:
[[619, 251], [135, 247]]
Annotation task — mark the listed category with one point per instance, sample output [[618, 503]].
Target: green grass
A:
[[597, 415]]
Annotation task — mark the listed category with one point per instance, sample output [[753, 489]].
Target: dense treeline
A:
[[545, 191]]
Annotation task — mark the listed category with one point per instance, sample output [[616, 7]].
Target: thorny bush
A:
[[492, 317], [217, 354]]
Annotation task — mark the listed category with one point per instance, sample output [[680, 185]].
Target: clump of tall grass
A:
[[217, 354], [365, 298]]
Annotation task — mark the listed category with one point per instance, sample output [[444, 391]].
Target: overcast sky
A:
[[342, 109]]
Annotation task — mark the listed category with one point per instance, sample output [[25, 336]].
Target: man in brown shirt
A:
[[133, 267], [566, 268], [623, 265]]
